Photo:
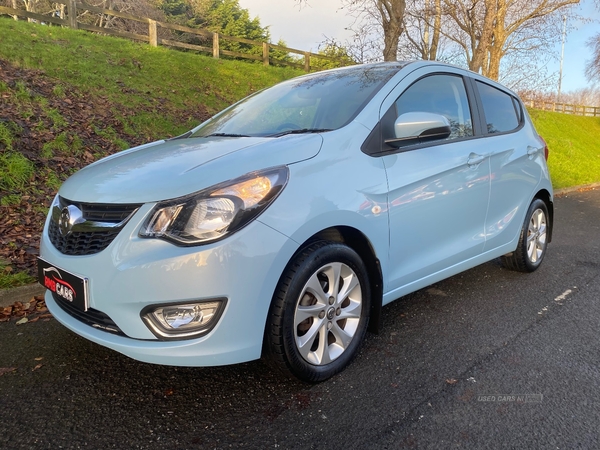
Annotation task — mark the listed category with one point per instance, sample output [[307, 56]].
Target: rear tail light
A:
[[545, 148]]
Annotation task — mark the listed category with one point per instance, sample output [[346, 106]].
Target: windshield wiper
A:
[[226, 135], [300, 131]]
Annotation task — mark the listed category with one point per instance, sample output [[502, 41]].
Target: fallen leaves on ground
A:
[[26, 312], [90, 130], [4, 370]]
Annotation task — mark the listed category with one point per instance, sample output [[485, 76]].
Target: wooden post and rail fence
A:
[[73, 7], [565, 108]]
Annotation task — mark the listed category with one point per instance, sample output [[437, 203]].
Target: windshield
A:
[[314, 103]]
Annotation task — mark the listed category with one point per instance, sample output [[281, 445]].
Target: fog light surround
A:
[[171, 321]]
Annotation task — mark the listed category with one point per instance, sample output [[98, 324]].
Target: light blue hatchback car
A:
[[281, 227]]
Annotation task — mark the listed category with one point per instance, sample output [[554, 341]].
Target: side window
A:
[[499, 108], [439, 94]]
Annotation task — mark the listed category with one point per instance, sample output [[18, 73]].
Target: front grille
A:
[[100, 225], [79, 244], [106, 213], [91, 317]]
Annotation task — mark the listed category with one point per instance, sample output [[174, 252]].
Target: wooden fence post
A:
[[72, 13], [152, 33], [307, 61], [265, 53], [216, 50]]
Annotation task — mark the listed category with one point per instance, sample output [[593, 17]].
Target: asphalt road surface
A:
[[487, 359]]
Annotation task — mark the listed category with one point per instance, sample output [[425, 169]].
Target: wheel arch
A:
[[358, 242]]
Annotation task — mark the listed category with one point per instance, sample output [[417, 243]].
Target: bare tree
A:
[[423, 26], [139, 8], [527, 72], [490, 29], [475, 22], [592, 67], [35, 6], [588, 96], [15, 5], [387, 14]]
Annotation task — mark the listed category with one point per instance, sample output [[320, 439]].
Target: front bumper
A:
[[132, 273]]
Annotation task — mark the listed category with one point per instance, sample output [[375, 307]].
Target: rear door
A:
[[516, 162]]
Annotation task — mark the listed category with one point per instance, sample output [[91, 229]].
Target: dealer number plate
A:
[[68, 287]]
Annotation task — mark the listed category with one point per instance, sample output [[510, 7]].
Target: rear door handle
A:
[[475, 159], [532, 151]]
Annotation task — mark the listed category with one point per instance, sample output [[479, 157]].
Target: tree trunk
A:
[[481, 45], [437, 27], [15, 6], [30, 7], [491, 68], [392, 21]]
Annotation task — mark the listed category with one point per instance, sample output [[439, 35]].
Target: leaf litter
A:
[[84, 119], [26, 312]]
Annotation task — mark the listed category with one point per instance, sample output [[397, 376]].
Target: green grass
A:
[[574, 147], [6, 136], [9, 279], [10, 200], [137, 93], [133, 73], [174, 84], [15, 171], [130, 92]]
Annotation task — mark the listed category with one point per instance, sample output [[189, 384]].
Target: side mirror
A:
[[416, 127]]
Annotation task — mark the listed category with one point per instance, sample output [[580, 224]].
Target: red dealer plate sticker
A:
[[67, 287]]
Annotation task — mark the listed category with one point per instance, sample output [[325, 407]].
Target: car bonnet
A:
[[171, 169]]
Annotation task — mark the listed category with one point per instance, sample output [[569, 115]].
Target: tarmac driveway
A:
[[487, 359]]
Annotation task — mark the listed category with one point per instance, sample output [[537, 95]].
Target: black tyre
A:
[[533, 240], [320, 312]]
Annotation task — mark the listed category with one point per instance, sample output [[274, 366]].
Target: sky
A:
[[305, 28]]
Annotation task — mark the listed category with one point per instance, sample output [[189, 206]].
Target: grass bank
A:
[[69, 97], [574, 147]]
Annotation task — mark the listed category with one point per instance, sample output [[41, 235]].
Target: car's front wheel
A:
[[533, 240], [320, 312]]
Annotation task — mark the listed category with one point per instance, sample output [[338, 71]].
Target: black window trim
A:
[[520, 115], [375, 144]]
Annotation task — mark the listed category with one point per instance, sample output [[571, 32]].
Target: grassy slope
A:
[[174, 83], [133, 93], [135, 74], [70, 97], [574, 147]]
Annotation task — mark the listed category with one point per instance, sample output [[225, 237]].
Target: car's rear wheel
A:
[[320, 312], [533, 240]]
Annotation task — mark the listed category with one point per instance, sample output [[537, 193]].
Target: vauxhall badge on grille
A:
[[69, 216]]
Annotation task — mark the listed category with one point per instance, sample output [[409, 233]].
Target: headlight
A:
[[214, 213]]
